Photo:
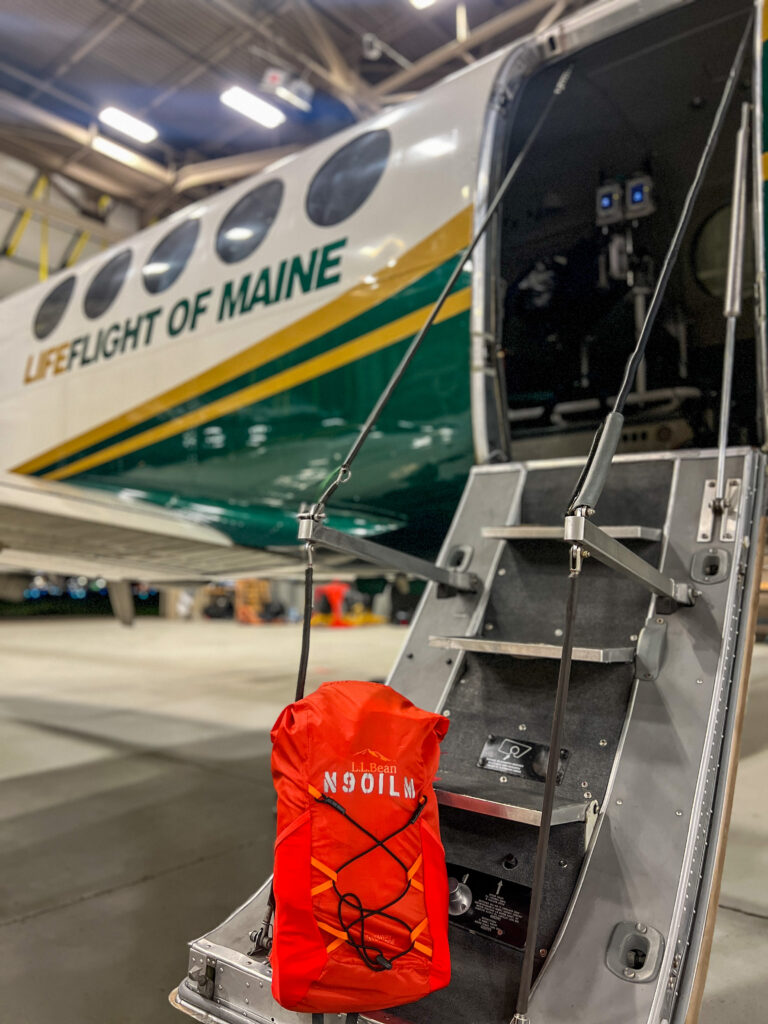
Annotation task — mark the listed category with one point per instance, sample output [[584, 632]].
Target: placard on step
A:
[[517, 757]]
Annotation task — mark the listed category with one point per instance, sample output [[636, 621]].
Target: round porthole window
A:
[[103, 289], [347, 179], [52, 308], [170, 256], [246, 225]]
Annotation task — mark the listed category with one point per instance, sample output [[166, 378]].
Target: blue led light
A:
[[606, 201], [638, 194]]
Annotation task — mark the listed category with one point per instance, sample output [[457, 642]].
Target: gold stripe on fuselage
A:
[[418, 261], [390, 334]]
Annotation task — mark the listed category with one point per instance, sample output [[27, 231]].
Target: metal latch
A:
[[635, 951], [203, 977], [708, 512]]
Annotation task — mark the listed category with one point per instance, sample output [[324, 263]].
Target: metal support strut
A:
[[732, 305], [312, 531]]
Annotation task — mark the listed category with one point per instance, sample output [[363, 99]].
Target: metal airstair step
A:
[[521, 806], [533, 532], [479, 645]]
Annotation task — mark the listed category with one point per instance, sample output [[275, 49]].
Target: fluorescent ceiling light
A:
[[112, 149], [421, 4], [252, 106], [128, 124]]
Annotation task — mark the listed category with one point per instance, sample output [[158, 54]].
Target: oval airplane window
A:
[[170, 256], [710, 254], [103, 289], [246, 225], [345, 181], [52, 308]]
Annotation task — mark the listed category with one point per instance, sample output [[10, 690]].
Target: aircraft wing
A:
[[47, 526]]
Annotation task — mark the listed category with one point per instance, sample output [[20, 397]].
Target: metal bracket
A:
[[591, 821], [311, 531], [651, 645], [590, 538], [729, 512], [203, 977]]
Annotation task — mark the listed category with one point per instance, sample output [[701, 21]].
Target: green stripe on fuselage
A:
[[414, 296]]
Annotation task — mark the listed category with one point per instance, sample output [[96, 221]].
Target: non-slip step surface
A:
[[484, 980], [479, 645], [648, 533], [511, 804], [529, 592], [509, 702], [634, 490]]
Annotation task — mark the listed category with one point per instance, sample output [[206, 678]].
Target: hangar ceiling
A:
[[167, 62]]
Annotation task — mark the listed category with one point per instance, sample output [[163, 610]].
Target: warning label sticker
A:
[[498, 908]]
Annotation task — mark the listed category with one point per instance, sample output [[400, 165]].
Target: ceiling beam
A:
[[556, 11], [315, 29], [26, 111], [42, 156], [262, 27], [45, 209], [228, 168], [236, 39], [41, 86], [92, 40], [453, 51]]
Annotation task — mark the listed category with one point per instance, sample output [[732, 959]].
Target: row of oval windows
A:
[[338, 190]]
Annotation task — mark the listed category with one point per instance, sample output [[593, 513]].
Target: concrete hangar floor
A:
[[136, 808]]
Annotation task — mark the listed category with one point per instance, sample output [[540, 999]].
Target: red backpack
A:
[[361, 895]]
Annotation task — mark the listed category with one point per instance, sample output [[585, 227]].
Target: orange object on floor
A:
[[334, 593]]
